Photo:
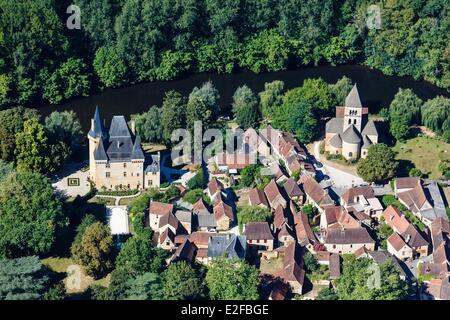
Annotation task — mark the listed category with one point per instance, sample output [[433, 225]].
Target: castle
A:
[[350, 133], [116, 158]]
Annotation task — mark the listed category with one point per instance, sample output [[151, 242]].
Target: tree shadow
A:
[[404, 166]]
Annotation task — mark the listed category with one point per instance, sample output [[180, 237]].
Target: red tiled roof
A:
[[215, 185], [407, 182], [303, 229], [292, 189], [200, 207], [257, 197], [222, 209], [351, 193], [396, 241], [395, 219], [160, 208], [272, 191]]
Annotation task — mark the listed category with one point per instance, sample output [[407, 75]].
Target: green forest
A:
[[122, 42]]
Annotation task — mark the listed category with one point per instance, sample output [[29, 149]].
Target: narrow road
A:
[[340, 178]]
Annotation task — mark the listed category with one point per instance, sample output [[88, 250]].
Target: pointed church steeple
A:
[[97, 128], [352, 100]]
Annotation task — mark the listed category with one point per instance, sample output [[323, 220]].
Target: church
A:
[[116, 158], [350, 133]]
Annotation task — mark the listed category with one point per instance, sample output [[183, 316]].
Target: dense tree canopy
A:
[[379, 165], [95, 250], [245, 107], [181, 281], [31, 215], [361, 279], [149, 125], [125, 41], [22, 279], [436, 116], [232, 279]]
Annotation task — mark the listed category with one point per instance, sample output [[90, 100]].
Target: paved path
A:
[[118, 198], [341, 179]]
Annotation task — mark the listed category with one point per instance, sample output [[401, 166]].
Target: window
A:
[[137, 174], [108, 174], [265, 240], [150, 182], [124, 165], [124, 174], [107, 165], [354, 121], [334, 246], [350, 154], [349, 121]]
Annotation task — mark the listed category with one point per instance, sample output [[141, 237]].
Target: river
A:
[[376, 89]]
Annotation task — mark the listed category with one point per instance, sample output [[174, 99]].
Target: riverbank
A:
[[376, 89]]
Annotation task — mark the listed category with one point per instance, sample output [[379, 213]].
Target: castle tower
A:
[[96, 136], [353, 110]]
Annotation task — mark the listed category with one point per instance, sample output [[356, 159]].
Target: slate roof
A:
[[137, 153], [351, 135], [230, 246], [97, 128], [119, 145], [370, 129], [366, 142], [352, 100], [336, 141], [334, 125]]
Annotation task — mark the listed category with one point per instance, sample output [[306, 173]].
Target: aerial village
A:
[[309, 222]]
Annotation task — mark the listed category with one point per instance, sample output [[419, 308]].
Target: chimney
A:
[[118, 144], [133, 127]]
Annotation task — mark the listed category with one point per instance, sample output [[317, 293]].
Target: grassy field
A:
[[271, 266], [424, 153]]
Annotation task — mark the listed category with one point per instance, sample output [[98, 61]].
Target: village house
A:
[[259, 237], [292, 271], [424, 200], [398, 247], [362, 200], [337, 217], [283, 225], [293, 191], [305, 235], [315, 194], [274, 195], [229, 246], [185, 252], [438, 289], [116, 158], [224, 215], [345, 241], [257, 198], [215, 189], [350, 133], [406, 230]]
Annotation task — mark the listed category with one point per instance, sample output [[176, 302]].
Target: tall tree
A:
[[173, 114], [180, 282], [272, 97], [149, 125], [232, 279], [31, 215], [95, 251], [65, 127], [22, 279], [245, 107], [379, 165]]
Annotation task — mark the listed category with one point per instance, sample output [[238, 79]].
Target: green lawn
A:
[[424, 152]]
